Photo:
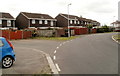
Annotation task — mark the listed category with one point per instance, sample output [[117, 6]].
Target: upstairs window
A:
[[46, 22], [0, 21], [52, 23], [40, 22], [8, 23], [70, 21], [33, 21], [75, 21]]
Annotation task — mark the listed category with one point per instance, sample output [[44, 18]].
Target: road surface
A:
[[89, 54]]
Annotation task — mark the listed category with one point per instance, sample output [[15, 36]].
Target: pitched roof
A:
[[37, 15], [70, 16], [117, 22], [6, 15]]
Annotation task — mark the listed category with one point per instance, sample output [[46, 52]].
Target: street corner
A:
[[28, 61]]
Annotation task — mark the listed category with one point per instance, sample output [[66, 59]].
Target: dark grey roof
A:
[[6, 15], [37, 15]]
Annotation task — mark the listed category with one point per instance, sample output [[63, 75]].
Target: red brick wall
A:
[[16, 34]]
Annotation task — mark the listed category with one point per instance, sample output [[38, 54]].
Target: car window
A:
[[1, 43]]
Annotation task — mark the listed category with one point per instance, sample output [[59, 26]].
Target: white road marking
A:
[[55, 52], [54, 57], [60, 44], [58, 68], [57, 48]]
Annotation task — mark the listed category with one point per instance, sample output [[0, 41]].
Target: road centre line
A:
[[55, 52], [54, 57], [57, 48]]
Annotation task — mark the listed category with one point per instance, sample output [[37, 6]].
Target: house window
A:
[[40, 22], [70, 21], [75, 21], [78, 22], [46, 22], [33, 21], [8, 23], [52, 23], [0, 21]]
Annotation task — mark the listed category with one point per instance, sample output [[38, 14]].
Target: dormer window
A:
[[33, 21]]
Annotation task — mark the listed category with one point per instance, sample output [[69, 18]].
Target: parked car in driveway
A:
[[7, 55]]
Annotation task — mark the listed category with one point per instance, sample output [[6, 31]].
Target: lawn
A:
[[56, 38], [117, 37]]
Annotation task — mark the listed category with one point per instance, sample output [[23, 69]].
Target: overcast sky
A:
[[104, 11]]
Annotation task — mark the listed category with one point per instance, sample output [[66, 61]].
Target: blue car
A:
[[7, 55]]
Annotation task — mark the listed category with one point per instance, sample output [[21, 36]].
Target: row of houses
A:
[[30, 20]]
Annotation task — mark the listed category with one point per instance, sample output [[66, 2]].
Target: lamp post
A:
[[68, 21]]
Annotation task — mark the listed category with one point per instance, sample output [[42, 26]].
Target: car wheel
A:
[[7, 62]]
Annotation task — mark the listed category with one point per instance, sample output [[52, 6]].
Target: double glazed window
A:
[[40, 22], [0, 21], [33, 21], [8, 22], [46, 22]]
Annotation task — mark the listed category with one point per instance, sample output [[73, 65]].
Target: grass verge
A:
[[55, 38], [117, 37]]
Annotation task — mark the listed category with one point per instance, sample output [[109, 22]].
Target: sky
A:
[[104, 11]]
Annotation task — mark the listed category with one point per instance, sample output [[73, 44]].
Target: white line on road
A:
[[57, 48], [60, 44], [54, 57], [55, 52], [57, 67]]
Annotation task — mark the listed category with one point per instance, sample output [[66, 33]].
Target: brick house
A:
[[74, 21], [116, 25], [85, 22], [62, 20], [6, 20], [28, 20]]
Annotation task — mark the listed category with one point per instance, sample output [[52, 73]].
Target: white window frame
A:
[[52, 23], [46, 22], [40, 22], [0, 21], [75, 22], [70, 21], [8, 22], [78, 22], [33, 21]]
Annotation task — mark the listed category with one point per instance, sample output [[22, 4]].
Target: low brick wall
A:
[[94, 31], [8, 34], [50, 33], [79, 31]]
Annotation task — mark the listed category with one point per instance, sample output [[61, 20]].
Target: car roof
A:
[[2, 38]]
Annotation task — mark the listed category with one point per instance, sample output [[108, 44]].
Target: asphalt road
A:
[[29, 59], [89, 54]]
